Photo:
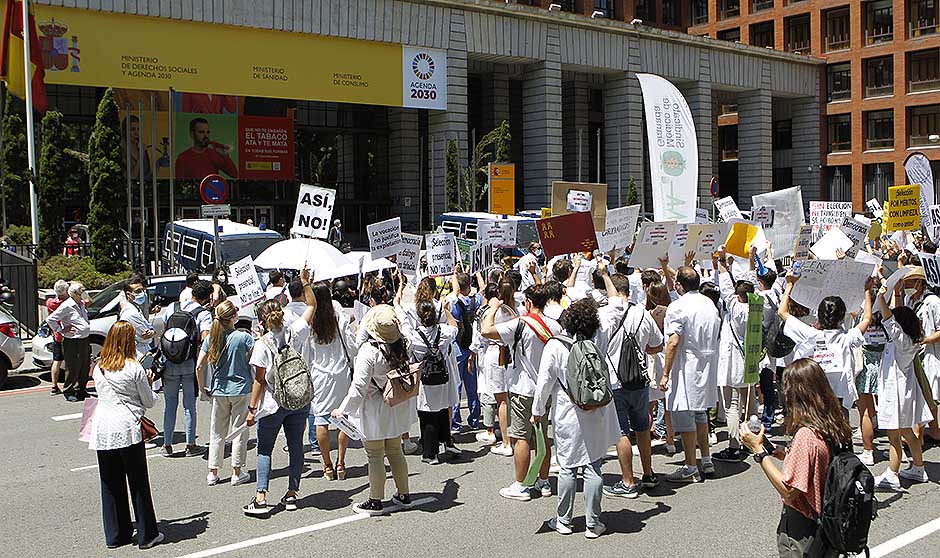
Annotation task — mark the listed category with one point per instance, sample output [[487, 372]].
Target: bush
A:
[[77, 269], [20, 234]]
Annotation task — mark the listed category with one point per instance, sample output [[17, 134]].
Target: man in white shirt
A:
[[71, 320], [187, 293], [276, 288], [692, 328], [295, 308], [526, 337]]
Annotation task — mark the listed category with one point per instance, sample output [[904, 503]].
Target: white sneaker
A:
[[500, 449], [554, 467], [887, 481], [240, 479], [712, 438], [409, 447], [867, 457], [914, 474], [212, 479], [516, 491], [596, 531], [486, 437], [558, 526], [543, 487]]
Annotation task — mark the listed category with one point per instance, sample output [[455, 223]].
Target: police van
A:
[[194, 249], [464, 225]]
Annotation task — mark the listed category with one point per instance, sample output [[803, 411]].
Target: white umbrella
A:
[[368, 264], [324, 260]]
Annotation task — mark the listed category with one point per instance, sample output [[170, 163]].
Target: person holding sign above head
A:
[[923, 298]]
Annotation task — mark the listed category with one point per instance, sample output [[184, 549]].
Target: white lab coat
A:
[[581, 437], [693, 380], [364, 403], [435, 398], [929, 315], [733, 328], [900, 401], [832, 350]]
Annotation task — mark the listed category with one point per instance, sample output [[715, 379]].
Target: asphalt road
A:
[[50, 484]]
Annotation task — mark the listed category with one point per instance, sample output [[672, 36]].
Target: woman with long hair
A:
[[866, 383], [497, 362], [124, 395], [228, 385], [657, 300], [816, 424]]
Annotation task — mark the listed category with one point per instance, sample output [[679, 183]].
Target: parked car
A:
[[11, 347]]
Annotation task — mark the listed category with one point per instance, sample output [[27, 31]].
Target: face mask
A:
[[909, 292], [140, 299], [538, 253]]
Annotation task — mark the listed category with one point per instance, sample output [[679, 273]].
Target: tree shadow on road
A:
[[184, 528]]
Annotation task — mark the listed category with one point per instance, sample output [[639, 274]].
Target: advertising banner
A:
[[314, 211], [502, 188], [904, 209], [917, 168], [265, 148], [567, 234], [673, 150]]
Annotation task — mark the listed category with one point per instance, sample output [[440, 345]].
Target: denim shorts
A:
[[633, 410], [686, 421], [320, 420]]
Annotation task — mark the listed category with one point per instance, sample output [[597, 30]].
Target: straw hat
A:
[[382, 324], [917, 272]]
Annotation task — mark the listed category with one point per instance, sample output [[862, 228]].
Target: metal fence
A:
[[129, 251], [20, 275]]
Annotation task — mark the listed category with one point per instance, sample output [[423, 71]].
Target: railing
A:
[[880, 35], [884, 143], [923, 27], [798, 46], [760, 5], [840, 146], [128, 251], [729, 154], [728, 109], [920, 141], [19, 273], [928, 84], [837, 42], [879, 90], [840, 95]]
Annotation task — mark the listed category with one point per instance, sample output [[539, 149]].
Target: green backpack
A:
[[588, 382]]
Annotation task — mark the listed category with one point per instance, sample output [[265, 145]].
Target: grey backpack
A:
[[292, 386], [588, 382]]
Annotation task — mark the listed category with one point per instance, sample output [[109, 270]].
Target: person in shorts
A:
[[61, 289]]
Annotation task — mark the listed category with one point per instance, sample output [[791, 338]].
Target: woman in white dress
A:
[[657, 301], [494, 365], [901, 405]]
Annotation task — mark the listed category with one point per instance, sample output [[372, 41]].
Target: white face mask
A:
[[909, 293], [538, 253]]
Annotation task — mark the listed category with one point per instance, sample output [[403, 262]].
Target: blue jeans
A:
[[294, 423], [312, 433], [768, 387], [176, 376], [468, 382]]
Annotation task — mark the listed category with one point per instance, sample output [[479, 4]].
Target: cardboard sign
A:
[[857, 231], [822, 278], [440, 256], [875, 207], [728, 209], [787, 217], [827, 247], [763, 216], [619, 228], [652, 243], [709, 239], [740, 237], [567, 234], [501, 232], [578, 200], [753, 338], [384, 238], [314, 211], [826, 215], [598, 200], [463, 247], [904, 208], [481, 257], [410, 254], [931, 265], [247, 285], [803, 241]]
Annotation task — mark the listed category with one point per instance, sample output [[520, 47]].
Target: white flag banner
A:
[[314, 211], [787, 218], [917, 167], [673, 150]]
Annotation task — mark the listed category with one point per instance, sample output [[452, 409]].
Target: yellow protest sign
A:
[[740, 237], [903, 208], [502, 188]]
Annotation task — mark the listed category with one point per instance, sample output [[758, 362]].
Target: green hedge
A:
[[77, 269], [20, 234]]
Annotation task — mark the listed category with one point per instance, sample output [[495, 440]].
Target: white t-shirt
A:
[[528, 354], [133, 315], [610, 338], [274, 292], [329, 369], [262, 356], [186, 295], [832, 350], [637, 293]]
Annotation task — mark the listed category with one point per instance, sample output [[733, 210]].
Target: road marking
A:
[[87, 467], [905, 539], [299, 531], [73, 416]]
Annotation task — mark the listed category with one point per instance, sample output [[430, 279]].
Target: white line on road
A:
[[87, 467], [294, 532], [73, 416], [905, 539]]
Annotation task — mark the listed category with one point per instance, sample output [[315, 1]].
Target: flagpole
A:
[[30, 136]]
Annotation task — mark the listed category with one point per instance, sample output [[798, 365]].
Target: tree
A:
[[493, 147], [502, 152], [108, 204], [54, 168], [15, 186], [633, 196], [451, 177]]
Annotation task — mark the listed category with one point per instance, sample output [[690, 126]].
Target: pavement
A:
[[50, 483]]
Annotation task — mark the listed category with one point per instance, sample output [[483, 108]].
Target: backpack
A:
[[293, 388], [848, 505], [180, 338], [464, 326], [434, 372], [632, 368], [777, 344], [542, 331], [588, 382]]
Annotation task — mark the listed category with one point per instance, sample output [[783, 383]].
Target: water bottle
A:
[[754, 424]]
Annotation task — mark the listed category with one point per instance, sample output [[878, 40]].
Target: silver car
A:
[[11, 347]]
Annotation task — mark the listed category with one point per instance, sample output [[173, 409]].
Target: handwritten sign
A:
[[728, 209], [314, 211], [410, 254], [842, 278], [384, 238], [826, 215], [502, 233], [441, 257], [619, 228], [874, 206], [803, 241], [481, 256], [904, 208], [247, 285], [857, 232]]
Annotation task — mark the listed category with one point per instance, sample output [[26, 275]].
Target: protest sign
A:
[[463, 251], [567, 234], [597, 198], [501, 232], [904, 208], [653, 242], [865, 257], [384, 238], [803, 241], [709, 239], [728, 209], [686, 239], [934, 228], [578, 200], [898, 275], [763, 216], [410, 254], [314, 211], [827, 247], [753, 338], [826, 215], [874, 206], [481, 257], [919, 171], [619, 228], [931, 265], [822, 278], [441, 257], [856, 229], [740, 237], [701, 216], [247, 285], [787, 218]]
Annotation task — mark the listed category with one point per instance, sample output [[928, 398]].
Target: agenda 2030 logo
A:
[[423, 67]]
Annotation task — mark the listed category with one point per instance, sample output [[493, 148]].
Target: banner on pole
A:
[[384, 238], [314, 211]]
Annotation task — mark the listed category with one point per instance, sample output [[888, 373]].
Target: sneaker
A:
[[71, 398], [887, 481], [857, 434], [315, 451], [212, 479], [500, 449], [451, 449], [486, 437], [649, 481], [410, 448], [55, 391], [431, 460], [456, 429], [558, 526], [543, 487], [240, 479], [257, 509], [167, 451], [369, 507], [684, 473], [594, 532], [402, 500], [914, 473], [289, 502], [195, 451], [554, 467], [712, 438], [149, 445], [516, 491], [153, 542], [708, 468], [621, 490], [867, 457], [729, 455]]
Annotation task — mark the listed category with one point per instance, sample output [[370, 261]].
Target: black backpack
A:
[[777, 344], [464, 326], [632, 368], [434, 371], [181, 339], [848, 505]]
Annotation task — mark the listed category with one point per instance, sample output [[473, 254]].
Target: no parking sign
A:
[[213, 189]]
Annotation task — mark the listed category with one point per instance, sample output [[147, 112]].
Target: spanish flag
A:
[[11, 55]]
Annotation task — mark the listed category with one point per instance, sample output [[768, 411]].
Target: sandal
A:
[[328, 472], [341, 472]]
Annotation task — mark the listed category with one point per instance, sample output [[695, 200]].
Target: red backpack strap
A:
[[538, 325]]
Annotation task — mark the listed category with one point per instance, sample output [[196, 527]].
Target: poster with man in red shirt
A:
[[205, 156]]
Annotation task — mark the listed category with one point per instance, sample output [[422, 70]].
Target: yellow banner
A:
[[903, 208], [502, 188], [101, 49]]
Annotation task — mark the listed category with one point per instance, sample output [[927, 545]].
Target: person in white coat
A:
[[901, 405], [493, 363], [381, 425], [581, 437], [435, 401], [690, 373], [928, 311]]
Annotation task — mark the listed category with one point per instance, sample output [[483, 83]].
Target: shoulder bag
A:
[[148, 430]]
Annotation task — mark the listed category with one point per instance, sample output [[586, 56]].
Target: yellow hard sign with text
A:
[[502, 188], [902, 212]]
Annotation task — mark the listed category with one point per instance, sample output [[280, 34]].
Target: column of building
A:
[[755, 141], [404, 156], [542, 129], [576, 143], [805, 126], [699, 97], [624, 132]]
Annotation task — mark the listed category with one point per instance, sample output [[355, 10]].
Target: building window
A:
[[762, 34], [645, 10], [923, 16], [733, 34], [879, 76], [728, 8], [837, 29], [879, 129], [839, 82], [796, 34], [728, 143], [840, 133], [839, 181], [761, 5], [923, 70], [672, 13], [699, 12], [922, 123], [782, 134], [607, 7], [879, 22], [876, 178]]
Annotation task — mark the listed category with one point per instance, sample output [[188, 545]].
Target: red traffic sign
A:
[[213, 189], [713, 186]]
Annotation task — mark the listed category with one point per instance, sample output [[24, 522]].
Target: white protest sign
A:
[[874, 206], [709, 239], [502, 232], [247, 285], [898, 275], [787, 218], [481, 256], [931, 265], [579, 201], [822, 278], [702, 216], [410, 254], [764, 216], [314, 211], [652, 243], [826, 248], [441, 257], [857, 232], [619, 228], [865, 257], [803, 241], [728, 209], [384, 238], [935, 220], [826, 215]]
